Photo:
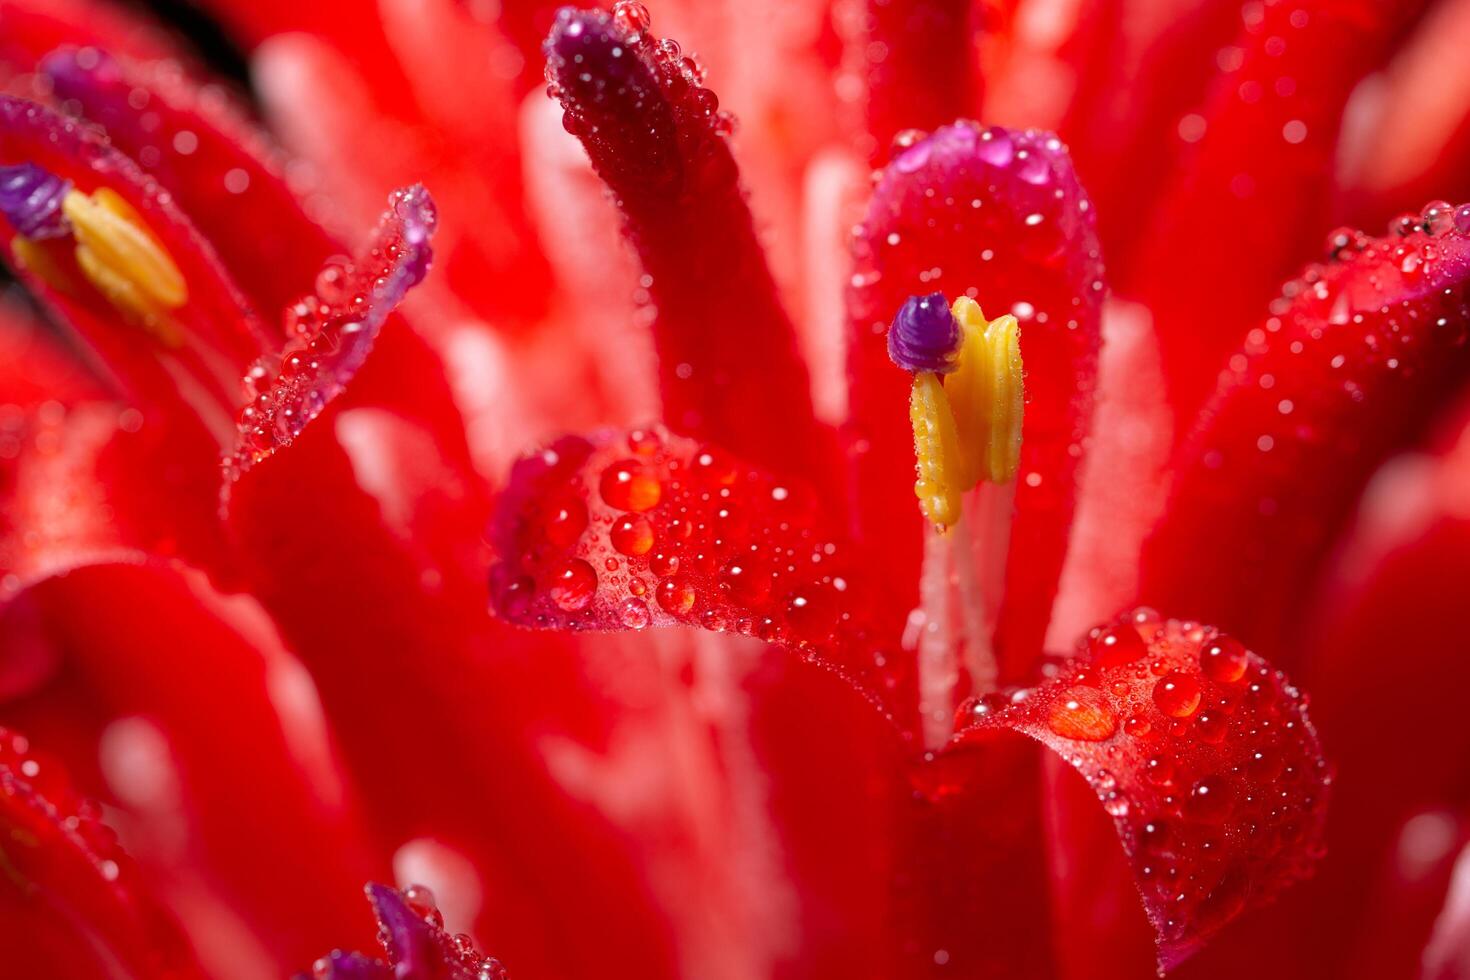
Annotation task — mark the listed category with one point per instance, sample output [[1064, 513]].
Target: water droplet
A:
[[634, 613], [1223, 659], [1177, 694], [1115, 646], [676, 596], [1083, 714], [572, 585], [1210, 800], [626, 485], [631, 534]]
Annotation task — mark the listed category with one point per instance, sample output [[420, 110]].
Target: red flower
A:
[[248, 619]]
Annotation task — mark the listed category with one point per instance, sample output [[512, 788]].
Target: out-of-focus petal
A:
[[1355, 356], [917, 60], [1447, 957], [1200, 752], [199, 144], [157, 658], [1406, 135], [72, 900], [658, 139], [327, 101], [96, 482], [997, 215], [34, 28], [35, 366], [1250, 196]]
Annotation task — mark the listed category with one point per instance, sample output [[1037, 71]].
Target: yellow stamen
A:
[[941, 485], [967, 427], [121, 257], [986, 394]]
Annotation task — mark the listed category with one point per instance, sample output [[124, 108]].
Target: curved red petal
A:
[[155, 657], [627, 531], [1200, 752], [62, 864], [190, 364], [409, 104], [1249, 198], [199, 144], [411, 929], [658, 140], [1356, 355], [96, 482], [334, 330], [998, 215]]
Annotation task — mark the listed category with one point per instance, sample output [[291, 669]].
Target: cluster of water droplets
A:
[[46, 806], [656, 529], [152, 120], [589, 51], [1377, 310], [1198, 749], [411, 929], [1009, 194], [331, 331]]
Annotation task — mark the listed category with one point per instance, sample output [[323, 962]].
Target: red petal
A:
[[133, 641], [217, 337], [1386, 669], [999, 215], [409, 102], [334, 330], [1123, 121], [652, 529], [916, 56], [199, 144], [1249, 200], [1356, 355], [1200, 752], [63, 865], [34, 366], [656, 138], [96, 483]]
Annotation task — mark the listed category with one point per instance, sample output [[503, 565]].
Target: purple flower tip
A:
[[30, 199], [925, 336]]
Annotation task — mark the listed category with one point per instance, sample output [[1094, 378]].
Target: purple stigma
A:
[[925, 336], [30, 199]]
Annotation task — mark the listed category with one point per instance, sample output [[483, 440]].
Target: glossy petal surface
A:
[[658, 140], [1355, 357], [627, 531], [1200, 752]]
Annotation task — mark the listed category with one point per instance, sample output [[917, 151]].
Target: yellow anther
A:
[[967, 426], [941, 484], [986, 394], [120, 256]]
